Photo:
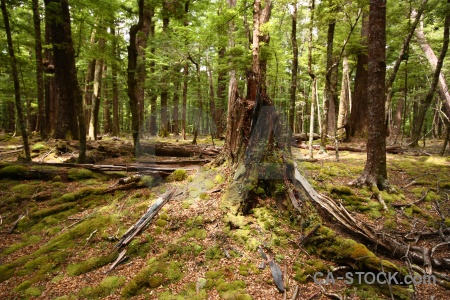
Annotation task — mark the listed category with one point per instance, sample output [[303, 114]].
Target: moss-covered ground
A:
[[195, 248]]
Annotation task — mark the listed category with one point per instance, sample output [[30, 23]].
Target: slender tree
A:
[[39, 69], [294, 71], [15, 75]]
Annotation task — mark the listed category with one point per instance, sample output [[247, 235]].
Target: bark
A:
[[438, 78], [375, 173], [107, 124], [183, 107], [51, 105], [313, 77], [212, 104], [294, 71], [176, 101], [66, 81], [328, 122], [358, 115], [141, 44], [153, 95], [15, 75], [345, 97], [164, 129], [39, 69], [115, 88], [132, 81], [96, 93], [221, 93], [89, 82], [199, 104]]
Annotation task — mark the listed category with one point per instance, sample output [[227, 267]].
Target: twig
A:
[[388, 281], [14, 225], [437, 246], [79, 221], [412, 203], [119, 259], [90, 237], [47, 154], [295, 294]]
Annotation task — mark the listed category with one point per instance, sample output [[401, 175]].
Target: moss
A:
[[340, 190], [177, 175], [235, 221], [6, 272], [31, 240], [219, 179], [248, 269], [432, 196], [38, 147], [305, 269], [90, 264], [196, 233], [13, 172], [214, 252], [195, 222], [155, 281], [80, 174], [23, 286], [161, 223], [33, 292], [233, 290], [51, 211], [106, 287], [24, 190]]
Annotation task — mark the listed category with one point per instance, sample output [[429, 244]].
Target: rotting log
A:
[[396, 248], [181, 150], [389, 149]]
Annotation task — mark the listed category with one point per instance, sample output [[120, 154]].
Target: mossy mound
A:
[[177, 175], [13, 172]]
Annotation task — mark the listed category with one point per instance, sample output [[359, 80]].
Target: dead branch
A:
[[14, 225], [412, 203], [119, 259], [144, 221]]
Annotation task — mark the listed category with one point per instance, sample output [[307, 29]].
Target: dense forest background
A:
[[186, 52]]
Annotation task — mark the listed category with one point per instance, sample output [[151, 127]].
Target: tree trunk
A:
[[141, 44], [313, 77], [39, 69], [183, 107], [15, 75], [89, 82], [345, 97], [107, 128], [358, 115], [115, 88], [51, 105], [199, 104], [221, 93], [437, 78], [66, 80], [132, 81], [294, 71], [153, 94], [375, 173], [176, 100], [164, 129], [96, 93], [328, 122], [212, 104]]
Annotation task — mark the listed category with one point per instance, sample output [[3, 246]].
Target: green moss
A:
[[248, 269], [214, 252], [90, 264], [24, 190], [106, 287], [52, 210], [219, 179], [6, 272], [31, 240], [340, 190], [196, 233], [13, 171], [23, 286], [233, 290], [305, 269], [155, 281], [161, 223], [195, 222], [38, 147], [432, 196], [33, 292], [177, 175], [80, 174]]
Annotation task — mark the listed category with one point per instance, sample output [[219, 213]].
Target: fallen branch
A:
[[14, 225], [144, 220], [412, 203], [119, 259]]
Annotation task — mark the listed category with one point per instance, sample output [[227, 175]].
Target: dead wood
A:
[[302, 137], [389, 149], [119, 259], [14, 225], [180, 150], [275, 269], [144, 221], [393, 246]]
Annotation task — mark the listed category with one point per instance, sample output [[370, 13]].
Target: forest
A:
[[224, 149]]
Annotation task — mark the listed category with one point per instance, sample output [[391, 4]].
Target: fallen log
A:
[[299, 137], [397, 248], [180, 150], [144, 221], [389, 149]]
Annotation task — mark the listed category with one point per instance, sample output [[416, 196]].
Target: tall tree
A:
[[358, 115], [15, 75], [294, 71], [115, 89], [67, 86], [132, 80], [96, 91], [375, 172], [39, 69]]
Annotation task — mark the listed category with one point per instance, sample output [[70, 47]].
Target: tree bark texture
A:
[[39, 69], [132, 81], [15, 75], [344, 100], [115, 87], [294, 71], [375, 172], [66, 81], [96, 92], [328, 122], [358, 114]]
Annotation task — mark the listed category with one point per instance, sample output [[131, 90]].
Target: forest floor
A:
[[62, 245]]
